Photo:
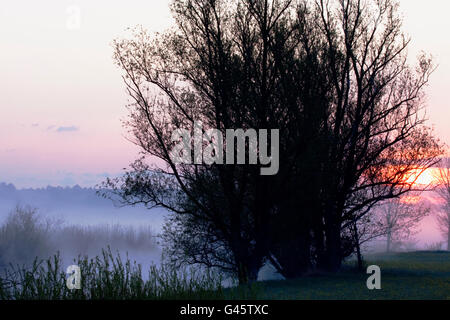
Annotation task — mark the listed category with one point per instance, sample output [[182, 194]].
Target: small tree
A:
[[24, 235], [399, 219], [442, 178]]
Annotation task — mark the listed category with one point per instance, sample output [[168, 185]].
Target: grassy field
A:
[[417, 275], [404, 276]]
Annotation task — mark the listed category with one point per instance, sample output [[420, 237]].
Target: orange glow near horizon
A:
[[411, 199], [421, 177]]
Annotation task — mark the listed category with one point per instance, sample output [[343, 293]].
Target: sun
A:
[[421, 177]]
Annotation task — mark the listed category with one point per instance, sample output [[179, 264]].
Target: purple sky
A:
[[62, 99]]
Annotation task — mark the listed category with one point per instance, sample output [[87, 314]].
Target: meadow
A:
[[421, 275], [26, 237], [405, 276]]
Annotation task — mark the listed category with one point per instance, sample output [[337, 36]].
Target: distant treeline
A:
[[25, 235]]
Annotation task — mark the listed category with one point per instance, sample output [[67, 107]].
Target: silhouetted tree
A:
[[331, 75], [376, 133], [217, 66], [361, 137]]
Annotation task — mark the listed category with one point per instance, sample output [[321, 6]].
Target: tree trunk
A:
[[358, 247], [360, 259], [333, 248], [448, 238], [293, 257], [388, 242], [242, 274], [334, 254]]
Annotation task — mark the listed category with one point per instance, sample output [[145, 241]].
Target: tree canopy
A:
[[331, 76]]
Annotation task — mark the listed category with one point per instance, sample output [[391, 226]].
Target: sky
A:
[[62, 99]]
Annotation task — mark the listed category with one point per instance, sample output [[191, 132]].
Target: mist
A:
[[38, 223]]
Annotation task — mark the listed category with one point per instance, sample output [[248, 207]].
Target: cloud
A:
[[34, 125], [67, 129]]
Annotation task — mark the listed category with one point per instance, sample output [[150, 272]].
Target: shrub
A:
[[23, 236]]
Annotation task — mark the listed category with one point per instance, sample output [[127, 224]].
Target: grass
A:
[[108, 277], [404, 276], [26, 234]]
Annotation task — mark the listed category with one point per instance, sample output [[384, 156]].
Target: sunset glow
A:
[[62, 98], [411, 199], [423, 178]]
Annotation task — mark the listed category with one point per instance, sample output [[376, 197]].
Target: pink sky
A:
[[61, 97]]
